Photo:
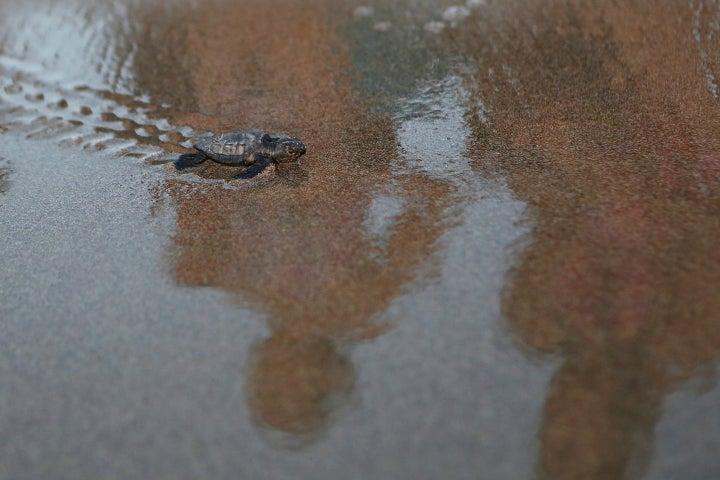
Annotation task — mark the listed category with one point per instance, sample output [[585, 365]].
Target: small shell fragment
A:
[[455, 14], [382, 26], [434, 27], [363, 11]]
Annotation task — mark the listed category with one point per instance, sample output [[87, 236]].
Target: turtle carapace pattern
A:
[[253, 150]]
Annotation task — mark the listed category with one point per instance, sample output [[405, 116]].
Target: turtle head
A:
[[287, 149]]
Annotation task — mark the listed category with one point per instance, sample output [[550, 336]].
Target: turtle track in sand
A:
[[88, 118]]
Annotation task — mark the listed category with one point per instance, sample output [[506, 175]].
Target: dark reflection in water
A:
[[314, 247], [611, 133], [303, 254]]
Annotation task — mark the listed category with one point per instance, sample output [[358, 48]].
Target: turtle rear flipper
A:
[[189, 160]]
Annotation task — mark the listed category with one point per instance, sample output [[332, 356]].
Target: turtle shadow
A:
[[290, 174]]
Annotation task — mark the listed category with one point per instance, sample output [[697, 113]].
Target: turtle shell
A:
[[236, 148]]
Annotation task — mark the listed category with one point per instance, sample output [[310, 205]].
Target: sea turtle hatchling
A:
[[253, 150]]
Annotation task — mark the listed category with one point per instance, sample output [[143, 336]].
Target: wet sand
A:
[[498, 257]]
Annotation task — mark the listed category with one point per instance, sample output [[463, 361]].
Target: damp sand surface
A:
[[498, 258]]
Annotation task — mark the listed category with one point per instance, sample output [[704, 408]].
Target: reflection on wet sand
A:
[[295, 245], [611, 134], [303, 255]]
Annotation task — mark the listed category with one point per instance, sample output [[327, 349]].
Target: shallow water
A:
[[498, 257]]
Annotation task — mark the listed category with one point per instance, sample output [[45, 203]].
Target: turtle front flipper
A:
[[261, 163], [189, 160]]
